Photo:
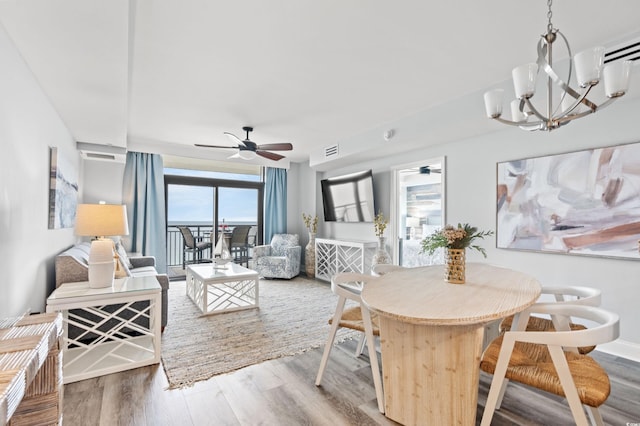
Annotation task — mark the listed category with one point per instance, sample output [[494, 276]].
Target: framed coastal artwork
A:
[[63, 191], [584, 202]]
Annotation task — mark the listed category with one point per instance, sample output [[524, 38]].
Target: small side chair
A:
[[280, 259]]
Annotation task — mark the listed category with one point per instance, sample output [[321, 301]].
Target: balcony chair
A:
[[348, 285], [280, 259], [239, 247], [193, 245], [252, 238], [550, 361], [575, 295]]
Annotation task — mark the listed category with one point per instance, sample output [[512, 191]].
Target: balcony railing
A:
[[175, 242]]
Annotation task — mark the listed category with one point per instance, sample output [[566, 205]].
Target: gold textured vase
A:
[[454, 266]]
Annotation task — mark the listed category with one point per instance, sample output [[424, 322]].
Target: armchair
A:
[[280, 259]]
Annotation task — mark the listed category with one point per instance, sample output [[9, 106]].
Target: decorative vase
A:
[[454, 266], [381, 256], [310, 256]]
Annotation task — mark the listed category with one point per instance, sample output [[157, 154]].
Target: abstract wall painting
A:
[[585, 202], [63, 192]]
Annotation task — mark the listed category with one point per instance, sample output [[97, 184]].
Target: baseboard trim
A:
[[622, 348]]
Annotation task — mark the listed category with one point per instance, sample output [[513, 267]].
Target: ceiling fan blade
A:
[[234, 138], [276, 146], [270, 155], [215, 146]]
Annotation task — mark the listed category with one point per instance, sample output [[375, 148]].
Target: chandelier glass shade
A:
[[567, 103]]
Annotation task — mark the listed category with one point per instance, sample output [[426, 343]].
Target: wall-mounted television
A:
[[348, 198]]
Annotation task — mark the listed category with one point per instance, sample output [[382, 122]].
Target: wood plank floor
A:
[[282, 392]]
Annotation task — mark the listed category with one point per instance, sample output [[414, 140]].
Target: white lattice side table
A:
[[110, 329], [222, 289]]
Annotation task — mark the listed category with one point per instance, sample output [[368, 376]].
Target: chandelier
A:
[[568, 103]]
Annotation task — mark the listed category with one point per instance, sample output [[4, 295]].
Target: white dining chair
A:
[[348, 286], [574, 295], [384, 268], [550, 361]]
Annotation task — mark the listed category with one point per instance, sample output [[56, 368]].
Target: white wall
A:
[[302, 198], [102, 181], [471, 197], [29, 125]]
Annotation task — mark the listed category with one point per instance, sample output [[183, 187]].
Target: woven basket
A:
[[31, 370]]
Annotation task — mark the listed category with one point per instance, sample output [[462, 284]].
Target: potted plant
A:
[[455, 241], [381, 256]]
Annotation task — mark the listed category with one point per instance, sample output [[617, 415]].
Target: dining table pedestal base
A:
[[430, 372]]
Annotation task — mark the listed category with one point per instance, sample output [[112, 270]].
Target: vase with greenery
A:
[[311, 222], [381, 256], [455, 241]]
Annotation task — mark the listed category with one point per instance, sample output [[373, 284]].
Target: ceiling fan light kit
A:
[[571, 103], [248, 150]]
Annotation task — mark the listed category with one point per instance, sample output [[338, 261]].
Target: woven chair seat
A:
[[531, 364], [544, 324], [352, 318]]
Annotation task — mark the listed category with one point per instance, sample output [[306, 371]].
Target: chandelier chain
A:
[[549, 15]]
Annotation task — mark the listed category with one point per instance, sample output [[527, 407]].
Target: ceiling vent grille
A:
[[98, 152], [627, 51], [331, 151], [96, 156]]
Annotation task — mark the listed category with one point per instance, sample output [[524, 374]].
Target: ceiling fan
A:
[[248, 149], [427, 170]]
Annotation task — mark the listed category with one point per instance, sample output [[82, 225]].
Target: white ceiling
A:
[[172, 73]]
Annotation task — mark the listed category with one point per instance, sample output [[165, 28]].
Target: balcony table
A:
[[431, 335]]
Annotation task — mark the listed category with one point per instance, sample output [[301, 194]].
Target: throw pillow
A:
[[122, 253], [122, 270]]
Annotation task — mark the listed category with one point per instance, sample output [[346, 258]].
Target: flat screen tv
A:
[[348, 198]]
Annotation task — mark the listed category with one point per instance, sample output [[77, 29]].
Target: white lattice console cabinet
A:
[[333, 256]]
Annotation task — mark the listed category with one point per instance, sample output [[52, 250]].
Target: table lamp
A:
[[100, 221]]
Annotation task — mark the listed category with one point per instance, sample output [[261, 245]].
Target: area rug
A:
[[292, 318]]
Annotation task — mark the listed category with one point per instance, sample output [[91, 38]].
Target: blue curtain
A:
[[275, 203], [143, 194]]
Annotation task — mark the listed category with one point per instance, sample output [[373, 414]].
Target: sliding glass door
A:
[[210, 208]]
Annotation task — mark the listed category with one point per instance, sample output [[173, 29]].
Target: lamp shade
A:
[[412, 222], [616, 78], [524, 80], [246, 154], [101, 220], [493, 102]]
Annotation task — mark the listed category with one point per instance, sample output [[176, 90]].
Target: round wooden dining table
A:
[[431, 336]]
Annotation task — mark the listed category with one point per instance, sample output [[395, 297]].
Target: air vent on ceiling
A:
[[627, 51], [331, 151], [96, 156], [98, 152]]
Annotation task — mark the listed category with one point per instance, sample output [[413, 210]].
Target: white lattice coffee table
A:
[[222, 289]]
